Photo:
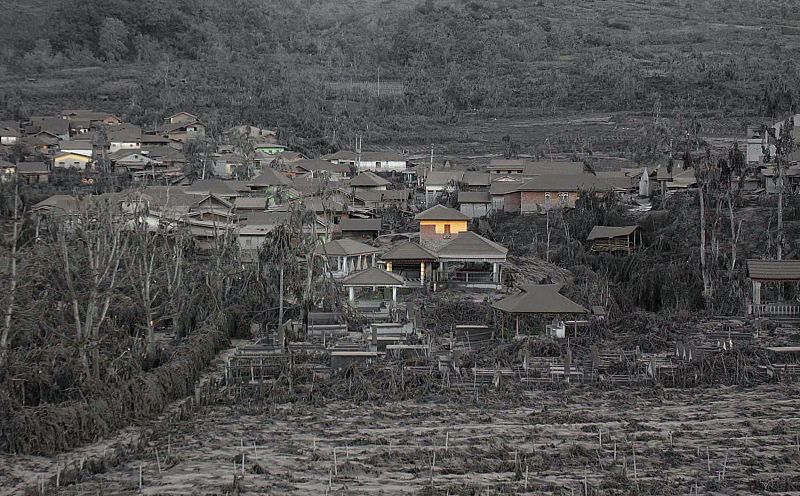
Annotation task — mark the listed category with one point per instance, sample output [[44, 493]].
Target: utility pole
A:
[[358, 152], [431, 168]]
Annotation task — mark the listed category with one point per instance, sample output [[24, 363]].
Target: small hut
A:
[[615, 239]]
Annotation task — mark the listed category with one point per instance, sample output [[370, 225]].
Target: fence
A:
[[775, 310]]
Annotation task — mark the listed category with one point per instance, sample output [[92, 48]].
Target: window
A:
[[547, 196], [377, 165], [563, 197], [447, 228]]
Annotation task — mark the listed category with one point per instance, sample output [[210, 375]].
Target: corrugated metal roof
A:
[[607, 232], [773, 270]]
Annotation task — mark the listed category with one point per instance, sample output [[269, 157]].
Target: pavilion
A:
[[540, 300], [773, 271], [346, 256]]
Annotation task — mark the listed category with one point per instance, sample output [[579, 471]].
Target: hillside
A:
[[330, 70]]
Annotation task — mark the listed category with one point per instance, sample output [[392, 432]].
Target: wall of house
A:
[[534, 201], [71, 161], [116, 146], [438, 226], [511, 202], [223, 169], [474, 210], [432, 233], [383, 165]]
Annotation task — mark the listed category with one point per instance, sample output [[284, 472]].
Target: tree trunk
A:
[[12, 291], [703, 263]]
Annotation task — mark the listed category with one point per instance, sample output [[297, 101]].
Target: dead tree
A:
[[12, 287], [783, 141], [90, 247]]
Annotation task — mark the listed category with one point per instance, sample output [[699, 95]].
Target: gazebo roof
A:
[[471, 246], [539, 299], [408, 250], [346, 247], [374, 276]]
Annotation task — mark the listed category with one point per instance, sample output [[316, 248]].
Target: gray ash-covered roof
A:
[[471, 246], [440, 212], [608, 232], [539, 299], [408, 250], [374, 277], [773, 270]]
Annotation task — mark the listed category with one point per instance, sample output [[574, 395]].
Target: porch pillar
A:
[[373, 259], [422, 272], [394, 296], [756, 292], [495, 272], [517, 326], [351, 293]]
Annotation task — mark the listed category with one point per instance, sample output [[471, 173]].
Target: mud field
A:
[[575, 441]]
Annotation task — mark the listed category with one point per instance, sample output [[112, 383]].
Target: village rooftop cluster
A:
[[389, 227]]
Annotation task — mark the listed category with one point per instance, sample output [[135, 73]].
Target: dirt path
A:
[[726, 440], [20, 471]]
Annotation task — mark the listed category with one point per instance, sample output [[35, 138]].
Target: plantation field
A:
[[722, 440]]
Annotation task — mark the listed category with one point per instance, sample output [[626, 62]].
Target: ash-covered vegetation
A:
[[326, 71]]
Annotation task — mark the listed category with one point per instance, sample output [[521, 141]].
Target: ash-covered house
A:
[[546, 192], [439, 224], [381, 162], [360, 229], [475, 204], [369, 181], [379, 200]]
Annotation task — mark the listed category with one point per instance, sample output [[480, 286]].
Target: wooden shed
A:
[[615, 239]]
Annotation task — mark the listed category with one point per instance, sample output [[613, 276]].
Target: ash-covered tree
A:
[[112, 39]]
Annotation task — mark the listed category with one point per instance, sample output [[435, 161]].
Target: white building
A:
[[84, 148], [381, 162]]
